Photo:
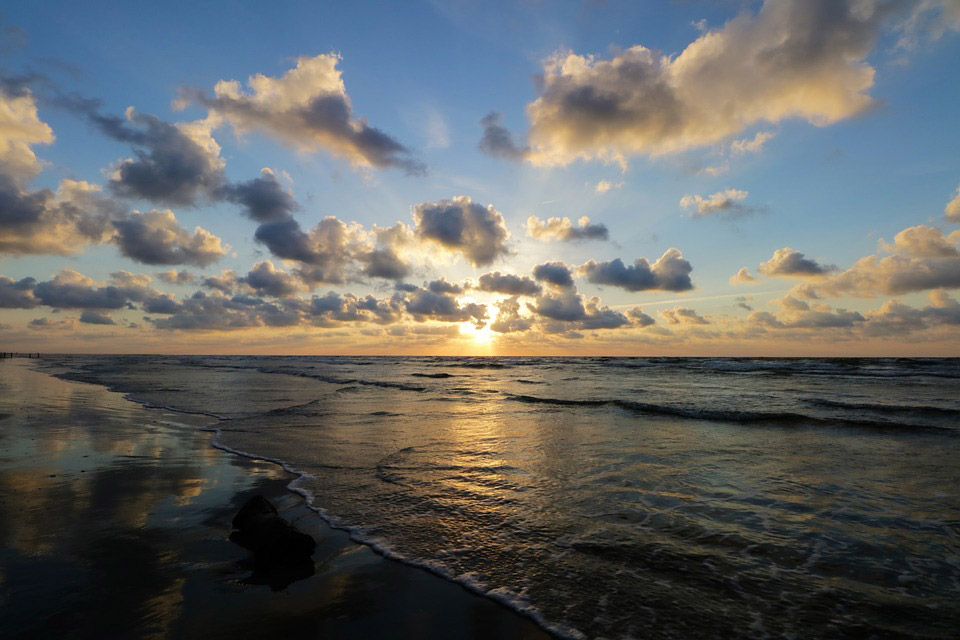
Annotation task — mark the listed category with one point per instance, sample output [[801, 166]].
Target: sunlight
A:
[[479, 336]]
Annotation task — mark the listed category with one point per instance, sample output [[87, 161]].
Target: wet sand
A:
[[114, 523]]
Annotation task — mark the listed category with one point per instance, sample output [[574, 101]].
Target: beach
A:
[[114, 523]]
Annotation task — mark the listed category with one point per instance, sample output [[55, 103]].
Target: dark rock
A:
[[281, 552]]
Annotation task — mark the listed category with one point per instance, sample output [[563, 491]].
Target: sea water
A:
[[616, 497]]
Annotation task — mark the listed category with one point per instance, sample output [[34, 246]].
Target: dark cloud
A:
[[460, 225], [565, 307], [509, 284], [157, 238], [94, 317], [262, 199], [555, 273], [71, 290], [444, 286], [670, 273], [267, 280], [497, 140], [224, 283], [639, 318], [424, 304], [17, 294], [173, 165]]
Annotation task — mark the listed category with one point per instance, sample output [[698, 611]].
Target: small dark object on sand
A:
[[281, 552]]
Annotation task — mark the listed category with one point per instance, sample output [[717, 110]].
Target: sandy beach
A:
[[114, 523]]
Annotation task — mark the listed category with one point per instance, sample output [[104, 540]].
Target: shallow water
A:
[[618, 497]]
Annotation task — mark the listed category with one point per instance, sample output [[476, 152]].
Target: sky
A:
[[694, 177]]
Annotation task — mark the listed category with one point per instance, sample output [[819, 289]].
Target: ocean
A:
[[615, 497]]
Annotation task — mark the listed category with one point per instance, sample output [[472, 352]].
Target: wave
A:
[[885, 408], [727, 415], [433, 375]]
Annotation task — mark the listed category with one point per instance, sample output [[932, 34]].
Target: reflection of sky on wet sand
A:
[[113, 519]]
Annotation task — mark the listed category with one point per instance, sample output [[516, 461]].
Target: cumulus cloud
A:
[[791, 263], [177, 277], [728, 203], [156, 237], [266, 280], [263, 199], [72, 290], [639, 318], [509, 284], [307, 108], [424, 304], [497, 140], [925, 242], [794, 59], [20, 129], [17, 294], [509, 319], [562, 229], [953, 208], [683, 315], [556, 273], [224, 283], [174, 164], [565, 306], [95, 317], [671, 272], [742, 277], [462, 226]]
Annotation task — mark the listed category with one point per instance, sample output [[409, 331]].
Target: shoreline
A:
[[159, 489]]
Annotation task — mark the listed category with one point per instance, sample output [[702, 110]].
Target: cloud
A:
[[791, 263], [639, 318], [177, 277], [17, 294], [20, 129], [925, 242], [740, 302], [424, 304], [307, 108], [563, 229], [670, 273], [174, 164], [742, 277], [605, 185], [462, 226], [94, 317], [509, 319], [263, 199], [728, 202], [267, 280], [555, 273], [683, 315], [49, 324], [953, 208], [509, 284], [751, 145], [223, 283], [565, 306], [497, 141], [72, 290], [156, 237], [801, 59]]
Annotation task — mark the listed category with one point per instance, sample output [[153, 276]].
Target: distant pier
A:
[[9, 354]]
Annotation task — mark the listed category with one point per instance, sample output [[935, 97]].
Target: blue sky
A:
[[828, 180]]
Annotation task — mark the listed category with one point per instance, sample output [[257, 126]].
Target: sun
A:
[[479, 336]]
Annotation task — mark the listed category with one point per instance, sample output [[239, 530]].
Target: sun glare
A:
[[479, 336]]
